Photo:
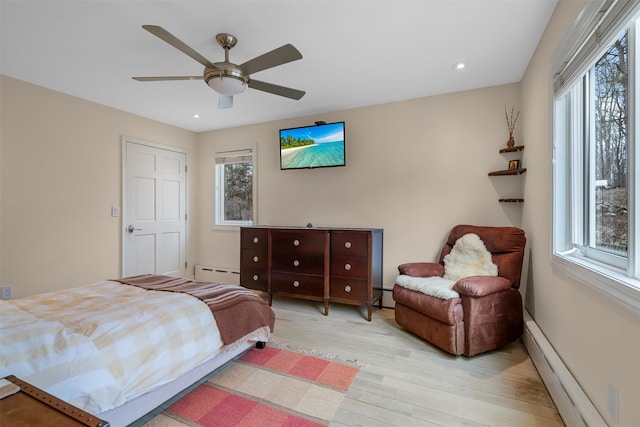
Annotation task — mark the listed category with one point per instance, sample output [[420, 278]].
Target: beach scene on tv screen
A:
[[312, 147]]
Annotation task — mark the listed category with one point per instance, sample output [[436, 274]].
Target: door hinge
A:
[[185, 265], [185, 168], [185, 217]]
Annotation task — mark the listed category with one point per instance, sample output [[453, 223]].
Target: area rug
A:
[[268, 387]]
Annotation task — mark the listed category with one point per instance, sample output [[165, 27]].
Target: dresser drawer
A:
[[253, 258], [254, 238], [254, 279], [344, 288], [349, 243], [349, 266], [298, 263], [298, 241], [298, 284]]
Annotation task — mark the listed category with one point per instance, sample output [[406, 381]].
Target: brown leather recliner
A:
[[488, 314]]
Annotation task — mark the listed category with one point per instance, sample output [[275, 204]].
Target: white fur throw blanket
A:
[[468, 257], [435, 286]]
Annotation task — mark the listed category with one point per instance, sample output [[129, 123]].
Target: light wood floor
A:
[[405, 381]]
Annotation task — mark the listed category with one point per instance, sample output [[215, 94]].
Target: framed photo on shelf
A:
[[514, 164]]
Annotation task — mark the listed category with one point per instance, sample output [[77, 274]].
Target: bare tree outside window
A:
[[238, 191], [610, 151]]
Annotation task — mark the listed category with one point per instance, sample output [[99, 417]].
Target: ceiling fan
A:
[[227, 78]]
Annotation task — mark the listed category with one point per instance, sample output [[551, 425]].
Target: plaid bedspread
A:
[[100, 345], [237, 310]]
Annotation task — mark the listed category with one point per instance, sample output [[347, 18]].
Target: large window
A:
[[596, 189], [234, 188]]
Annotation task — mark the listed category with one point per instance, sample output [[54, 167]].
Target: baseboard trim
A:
[[574, 406]]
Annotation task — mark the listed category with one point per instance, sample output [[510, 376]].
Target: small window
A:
[[234, 188]]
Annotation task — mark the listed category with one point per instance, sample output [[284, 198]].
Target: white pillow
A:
[[468, 257]]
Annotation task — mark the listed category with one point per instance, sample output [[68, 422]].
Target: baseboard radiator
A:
[[205, 273], [574, 406]]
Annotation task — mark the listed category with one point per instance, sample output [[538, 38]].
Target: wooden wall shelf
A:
[[508, 172], [512, 149]]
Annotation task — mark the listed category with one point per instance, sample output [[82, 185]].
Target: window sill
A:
[[624, 290], [232, 226]]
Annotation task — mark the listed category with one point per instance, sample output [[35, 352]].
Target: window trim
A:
[[604, 279], [218, 202]]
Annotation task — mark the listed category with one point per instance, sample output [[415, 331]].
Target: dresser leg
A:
[[326, 307], [369, 310]]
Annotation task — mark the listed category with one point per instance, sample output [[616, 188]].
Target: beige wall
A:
[[414, 168], [61, 173], [598, 339]]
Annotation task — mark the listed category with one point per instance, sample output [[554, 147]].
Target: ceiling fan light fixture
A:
[[227, 85]]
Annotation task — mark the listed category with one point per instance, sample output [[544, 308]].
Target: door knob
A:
[[130, 229]]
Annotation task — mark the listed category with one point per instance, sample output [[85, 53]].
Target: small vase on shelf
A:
[[512, 119]]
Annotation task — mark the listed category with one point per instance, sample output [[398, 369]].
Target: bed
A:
[[120, 348]]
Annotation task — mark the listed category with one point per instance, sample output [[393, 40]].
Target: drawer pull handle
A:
[[255, 258], [256, 240], [296, 263], [296, 242], [255, 277], [347, 288], [347, 245], [296, 283], [347, 267]]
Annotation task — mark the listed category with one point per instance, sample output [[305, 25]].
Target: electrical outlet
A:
[[612, 394], [7, 293]]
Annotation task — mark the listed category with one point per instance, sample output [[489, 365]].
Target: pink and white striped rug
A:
[[268, 387]]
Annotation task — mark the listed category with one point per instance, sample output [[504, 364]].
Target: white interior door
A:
[[154, 211]]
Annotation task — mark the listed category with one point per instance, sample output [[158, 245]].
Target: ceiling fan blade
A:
[[279, 56], [178, 44], [276, 90], [225, 101], [167, 78]]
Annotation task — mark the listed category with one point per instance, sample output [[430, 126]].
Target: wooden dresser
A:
[[342, 265]]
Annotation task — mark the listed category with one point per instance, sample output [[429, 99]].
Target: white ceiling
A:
[[355, 53]]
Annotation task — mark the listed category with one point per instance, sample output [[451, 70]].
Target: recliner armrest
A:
[[479, 286], [422, 269]]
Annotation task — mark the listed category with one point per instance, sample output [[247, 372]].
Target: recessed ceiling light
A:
[[196, 116], [460, 66]]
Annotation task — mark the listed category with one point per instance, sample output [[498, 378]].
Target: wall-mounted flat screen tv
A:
[[308, 147]]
